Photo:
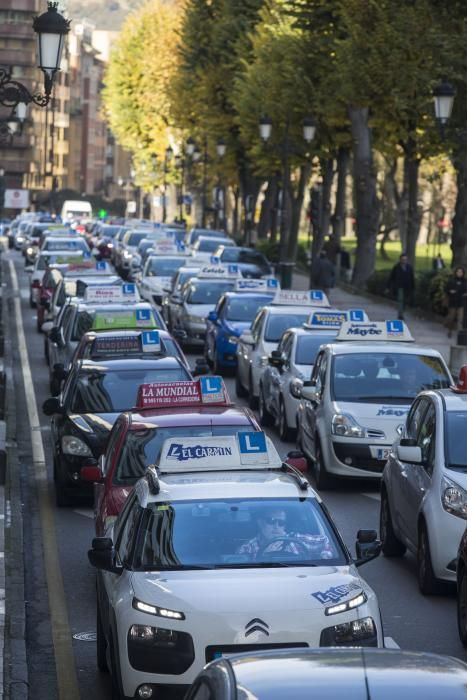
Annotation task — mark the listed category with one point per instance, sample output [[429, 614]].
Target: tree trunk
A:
[[411, 168], [235, 212], [321, 227], [459, 222], [267, 207], [297, 204], [338, 220], [366, 200]]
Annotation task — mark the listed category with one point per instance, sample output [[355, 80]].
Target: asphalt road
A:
[[412, 621]]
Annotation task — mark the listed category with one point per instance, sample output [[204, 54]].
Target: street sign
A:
[[131, 207], [16, 199]]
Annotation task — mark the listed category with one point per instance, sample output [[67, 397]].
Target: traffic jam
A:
[[206, 422]]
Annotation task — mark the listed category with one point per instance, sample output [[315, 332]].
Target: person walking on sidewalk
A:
[[456, 291], [401, 283], [325, 273]]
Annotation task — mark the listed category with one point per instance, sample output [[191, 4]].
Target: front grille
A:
[[213, 651], [374, 434]]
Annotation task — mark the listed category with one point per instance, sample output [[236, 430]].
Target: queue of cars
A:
[[200, 524]]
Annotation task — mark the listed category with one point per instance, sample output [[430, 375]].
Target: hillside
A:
[[105, 14]]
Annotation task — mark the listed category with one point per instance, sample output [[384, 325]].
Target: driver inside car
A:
[[273, 537]]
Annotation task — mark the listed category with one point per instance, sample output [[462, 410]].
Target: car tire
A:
[[390, 544], [462, 607], [252, 399], [54, 386], [101, 644], [240, 390], [265, 417], [324, 481], [285, 433], [427, 581]]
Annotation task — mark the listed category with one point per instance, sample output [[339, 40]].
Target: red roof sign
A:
[[176, 394]]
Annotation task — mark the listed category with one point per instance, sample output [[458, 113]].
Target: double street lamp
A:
[[286, 148], [195, 153]]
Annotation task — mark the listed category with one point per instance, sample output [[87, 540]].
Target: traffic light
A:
[[102, 214]]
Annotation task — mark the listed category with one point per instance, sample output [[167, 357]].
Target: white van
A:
[[72, 209]]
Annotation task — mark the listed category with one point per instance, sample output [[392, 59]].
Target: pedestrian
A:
[[456, 291], [438, 263], [325, 273], [401, 284]]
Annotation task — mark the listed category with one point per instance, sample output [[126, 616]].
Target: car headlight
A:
[[354, 633], [351, 604], [29, 251], [127, 255], [454, 498], [152, 636], [156, 610], [345, 425], [233, 339], [72, 445], [110, 245], [295, 387], [263, 361]]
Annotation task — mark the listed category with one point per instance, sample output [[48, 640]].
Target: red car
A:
[[137, 436]]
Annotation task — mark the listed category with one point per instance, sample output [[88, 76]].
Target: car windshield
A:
[[65, 244], [116, 319], [110, 231], [240, 255], [245, 309], [237, 533], [196, 233], [134, 238], [208, 292], [277, 324], [308, 346], [115, 391], [387, 376], [182, 277], [163, 267], [208, 245], [455, 440], [143, 447], [168, 347]]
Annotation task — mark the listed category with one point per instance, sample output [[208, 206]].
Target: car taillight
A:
[[36, 284]]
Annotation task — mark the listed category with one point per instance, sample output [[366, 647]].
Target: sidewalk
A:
[[426, 332]]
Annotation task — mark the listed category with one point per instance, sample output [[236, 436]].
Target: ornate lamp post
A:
[[51, 29], [443, 96], [167, 158]]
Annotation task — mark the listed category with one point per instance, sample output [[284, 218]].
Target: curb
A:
[[16, 685]]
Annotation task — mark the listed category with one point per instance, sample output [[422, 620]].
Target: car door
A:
[[246, 351], [213, 328], [278, 378], [401, 473], [309, 408]]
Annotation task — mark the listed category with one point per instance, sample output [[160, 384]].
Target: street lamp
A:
[[190, 146], [221, 147], [51, 28], [167, 158], [443, 96], [308, 133]]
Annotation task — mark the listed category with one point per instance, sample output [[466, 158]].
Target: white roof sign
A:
[[334, 318], [219, 272], [166, 248], [109, 293], [246, 450], [293, 297], [253, 285], [376, 331]]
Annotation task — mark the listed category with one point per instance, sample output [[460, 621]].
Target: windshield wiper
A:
[[261, 565], [177, 567]]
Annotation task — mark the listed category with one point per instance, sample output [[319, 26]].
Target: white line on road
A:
[[390, 643], [373, 496], [61, 635]]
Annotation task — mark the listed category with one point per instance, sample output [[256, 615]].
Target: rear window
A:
[[277, 324], [308, 346]]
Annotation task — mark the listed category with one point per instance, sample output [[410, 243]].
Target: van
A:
[[73, 209]]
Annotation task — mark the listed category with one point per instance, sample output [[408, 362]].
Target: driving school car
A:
[[360, 392], [184, 409], [183, 579]]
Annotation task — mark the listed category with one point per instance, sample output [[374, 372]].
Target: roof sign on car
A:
[[254, 285], [168, 248], [219, 272], [113, 320], [376, 331], [334, 318], [293, 297], [246, 450], [65, 258], [150, 341], [111, 293], [115, 345], [204, 391]]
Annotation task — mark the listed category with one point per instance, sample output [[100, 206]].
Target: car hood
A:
[[237, 327], [248, 590], [200, 310], [250, 270], [379, 416], [99, 424]]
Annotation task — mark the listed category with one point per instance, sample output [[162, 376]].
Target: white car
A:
[[292, 363], [204, 247], [357, 400], [289, 309], [184, 575], [158, 273], [40, 265], [424, 486]]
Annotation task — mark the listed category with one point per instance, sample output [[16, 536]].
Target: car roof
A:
[[356, 674], [164, 362], [117, 306], [288, 309], [452, 400], [346, 347], [197, 415], [90, 336], [249, 295]]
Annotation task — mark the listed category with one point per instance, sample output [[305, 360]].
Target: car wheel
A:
[[55, 386], [265, 418], [323, 480], [390, 544], [101, 643], [240, 390], [285, 433], [427, 581], [462, 607], [252, 399]]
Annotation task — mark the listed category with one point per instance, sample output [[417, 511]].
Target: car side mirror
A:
[[103, 556], [367, 546], [297, 459], [176, 298], [212, 316], [247, 338], [179, 334], [52, 407], [201, 367], [310, 392], [408, 453], [295, 387], [54, 334], [276, 359], [91, 472], [60, 372]]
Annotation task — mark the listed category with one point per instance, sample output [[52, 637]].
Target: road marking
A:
[[373, 496], [390, 643], [87, 512], [61, 634]]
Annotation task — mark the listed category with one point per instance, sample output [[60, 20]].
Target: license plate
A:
[[381, 453]]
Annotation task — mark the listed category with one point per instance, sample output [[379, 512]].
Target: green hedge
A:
[[429, 288]]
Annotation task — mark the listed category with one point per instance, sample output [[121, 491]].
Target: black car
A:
[[94, 395], [327, 674], [251, 263]]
